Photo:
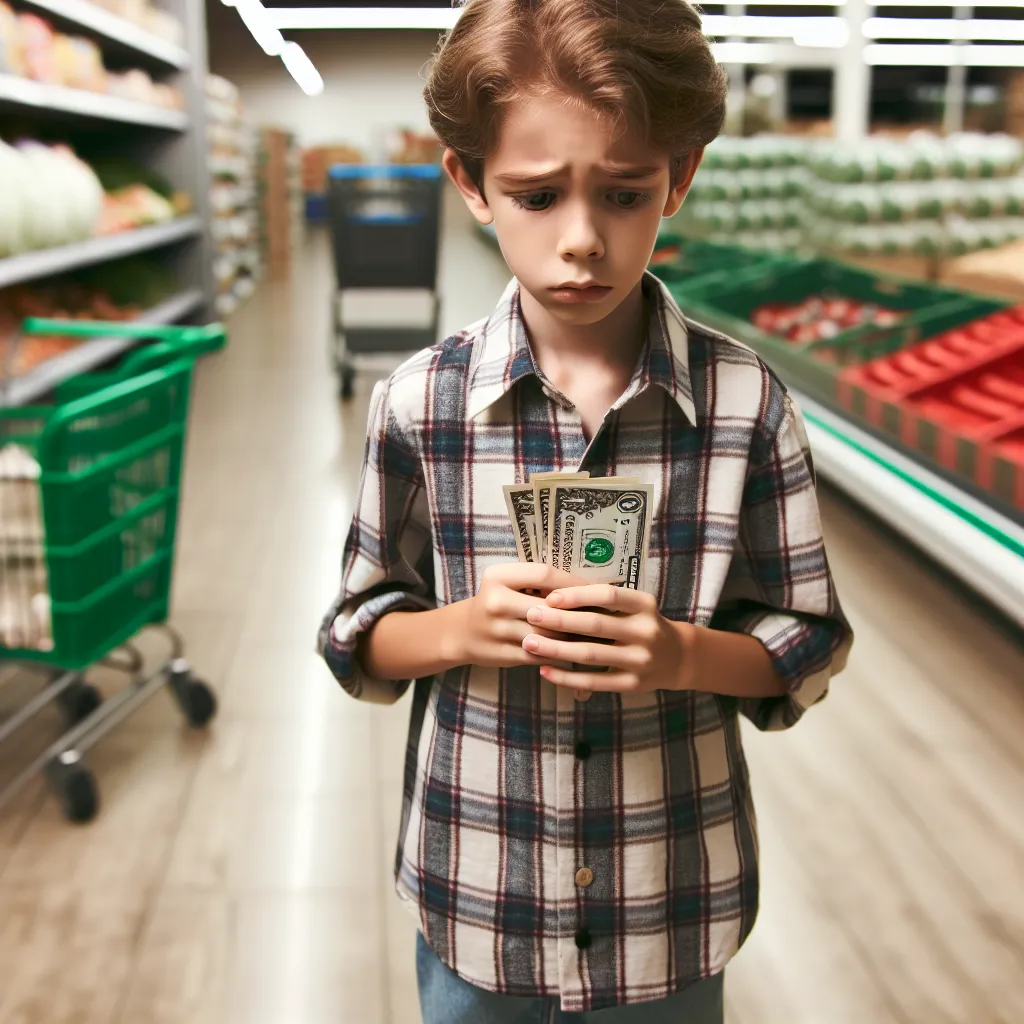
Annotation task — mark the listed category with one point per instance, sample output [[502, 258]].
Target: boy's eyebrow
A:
[[612, 172]]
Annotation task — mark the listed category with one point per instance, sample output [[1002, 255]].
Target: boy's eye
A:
[[536, 201], [626, 200]]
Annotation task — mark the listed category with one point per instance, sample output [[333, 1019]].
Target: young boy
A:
[[580, 841]]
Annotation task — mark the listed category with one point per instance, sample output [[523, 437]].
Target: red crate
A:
[[957, 398]]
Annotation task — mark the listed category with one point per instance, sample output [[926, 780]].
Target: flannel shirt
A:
[[511, 784]]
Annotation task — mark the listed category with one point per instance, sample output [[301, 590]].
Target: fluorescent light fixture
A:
[[744, 53], [963, 29], [300, 67], [939, 55], [943, 3], [831, 33], [254, 15], [437, 18]]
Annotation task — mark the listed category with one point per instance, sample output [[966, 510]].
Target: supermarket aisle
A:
[[243, 877]]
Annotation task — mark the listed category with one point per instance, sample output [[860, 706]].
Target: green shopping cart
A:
[[89, 493]]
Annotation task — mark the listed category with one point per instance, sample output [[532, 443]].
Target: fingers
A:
[[582, 623], [585, 683], [530, 576], [601, 595], [590, 655]]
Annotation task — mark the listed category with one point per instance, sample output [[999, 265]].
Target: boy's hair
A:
[[645, 59]]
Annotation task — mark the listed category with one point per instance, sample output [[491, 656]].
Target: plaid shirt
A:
[[511, 785]]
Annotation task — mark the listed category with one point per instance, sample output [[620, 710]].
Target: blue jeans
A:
[[446, 999]]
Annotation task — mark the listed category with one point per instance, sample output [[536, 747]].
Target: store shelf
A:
[[23, 92], [30, 266], [88, 355], [109, 27], [973, 541]]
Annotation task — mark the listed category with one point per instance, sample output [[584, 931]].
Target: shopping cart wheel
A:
[[196, 700], [348, 379], [79, 701], [76, 787]]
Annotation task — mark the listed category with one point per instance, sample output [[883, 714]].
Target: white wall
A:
[[373, 81]]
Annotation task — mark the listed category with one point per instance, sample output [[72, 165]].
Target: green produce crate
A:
[[728, 305], [702, 265]]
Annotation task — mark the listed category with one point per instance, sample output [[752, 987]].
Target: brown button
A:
[[584, 877], [582, 695]]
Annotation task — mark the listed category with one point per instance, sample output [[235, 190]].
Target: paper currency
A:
[[542, 484], [599, 530], [519, 500]]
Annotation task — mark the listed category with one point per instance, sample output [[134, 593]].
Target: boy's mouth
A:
[[572, 293]]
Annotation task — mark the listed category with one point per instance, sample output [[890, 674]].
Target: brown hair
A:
[[646, 59]]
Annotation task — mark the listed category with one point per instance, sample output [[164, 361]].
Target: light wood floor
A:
[[244, 876]]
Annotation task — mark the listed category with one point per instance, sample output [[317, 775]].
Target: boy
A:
[[573, 841]]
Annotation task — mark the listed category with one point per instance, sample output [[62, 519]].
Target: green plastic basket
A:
[[700, 265], [109, 452], [728, 306]]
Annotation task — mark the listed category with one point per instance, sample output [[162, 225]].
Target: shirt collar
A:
[[502, 355]]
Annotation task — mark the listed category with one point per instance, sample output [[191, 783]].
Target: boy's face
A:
[[576, 204]]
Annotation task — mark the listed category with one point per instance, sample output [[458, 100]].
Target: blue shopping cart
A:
[[385, 237]]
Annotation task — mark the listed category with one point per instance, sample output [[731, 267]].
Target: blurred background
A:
[[196, 825]]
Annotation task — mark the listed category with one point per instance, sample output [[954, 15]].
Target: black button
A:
[[582, 750], [583, 939]]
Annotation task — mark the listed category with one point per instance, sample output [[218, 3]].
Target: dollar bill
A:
[[542, 485], [520, 503], [599, 530]]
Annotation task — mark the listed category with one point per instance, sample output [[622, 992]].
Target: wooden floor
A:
[[244, 876]]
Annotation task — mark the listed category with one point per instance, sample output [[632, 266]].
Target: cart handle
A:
[[173, 341]]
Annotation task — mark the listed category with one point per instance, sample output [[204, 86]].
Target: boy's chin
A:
[[582, 314]]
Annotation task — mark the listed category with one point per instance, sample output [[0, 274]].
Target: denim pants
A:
[[446, 999]]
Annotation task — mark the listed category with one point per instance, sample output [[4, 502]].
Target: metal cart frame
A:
[[109, 454], [385, 228]]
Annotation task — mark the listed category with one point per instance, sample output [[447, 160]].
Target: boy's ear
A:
[[686, 172], [465, 184]]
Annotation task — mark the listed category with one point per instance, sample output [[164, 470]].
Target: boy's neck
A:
[[612, 344]]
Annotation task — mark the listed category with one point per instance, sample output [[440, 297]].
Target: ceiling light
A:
[[940, 55], [302, 70], [944, 28], [437, 18], [255, 17]]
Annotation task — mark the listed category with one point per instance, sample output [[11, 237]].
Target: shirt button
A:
[[584, 877], [582, 750], [582, 695], [583, 939]]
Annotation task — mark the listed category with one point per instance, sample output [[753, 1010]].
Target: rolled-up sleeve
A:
[[388, 557], [780, 588]]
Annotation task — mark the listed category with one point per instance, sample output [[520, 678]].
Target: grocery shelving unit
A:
[[233, 197], [171, 142]]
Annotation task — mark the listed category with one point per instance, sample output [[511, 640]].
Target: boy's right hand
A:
[[492, 625]]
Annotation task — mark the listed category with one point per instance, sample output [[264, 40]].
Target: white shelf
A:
[[88, 355], [970, 539], [81, 103], [30, 266], [108, 26]]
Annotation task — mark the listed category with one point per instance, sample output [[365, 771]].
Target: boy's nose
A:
[[581, 238]]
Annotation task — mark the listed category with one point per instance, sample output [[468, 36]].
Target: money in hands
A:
[[597, 528]]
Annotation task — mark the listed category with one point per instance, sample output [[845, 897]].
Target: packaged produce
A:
[[12, 56], [79, 63], [38, 49], [820, 317]]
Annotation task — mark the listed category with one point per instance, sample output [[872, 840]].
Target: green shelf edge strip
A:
[[1011, 543]]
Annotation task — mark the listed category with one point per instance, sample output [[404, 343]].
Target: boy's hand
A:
[[641, 649], [492, 625]]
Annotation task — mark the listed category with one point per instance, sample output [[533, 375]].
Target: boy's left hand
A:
[[642, 650]]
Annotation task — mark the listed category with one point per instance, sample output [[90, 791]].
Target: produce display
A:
[[957, 398], [820, 316], [924, 195], [51, 197], [117, 291], [31, 48]]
